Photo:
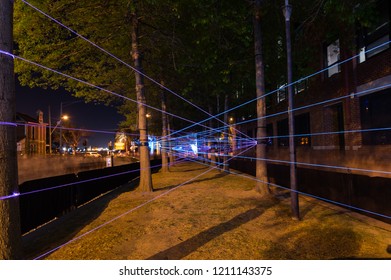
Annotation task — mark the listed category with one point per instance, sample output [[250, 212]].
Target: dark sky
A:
[[82, 115]]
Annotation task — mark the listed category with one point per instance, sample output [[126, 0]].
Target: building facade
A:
[[342, 114], [31, 134]]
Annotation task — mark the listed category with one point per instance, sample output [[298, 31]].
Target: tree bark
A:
[[145, 164], [164, 133], [261, 170], [171, 154], [10, 233], [226, 136]]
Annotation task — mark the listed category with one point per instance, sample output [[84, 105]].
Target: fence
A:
[[360, 191], [64, 193]]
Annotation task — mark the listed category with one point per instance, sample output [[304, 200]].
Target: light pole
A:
[[287, 10], [65, 117]]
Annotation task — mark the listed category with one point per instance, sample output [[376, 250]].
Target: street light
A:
[[62, 118], [65, 117]]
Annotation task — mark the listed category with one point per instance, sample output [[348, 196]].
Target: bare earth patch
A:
[[215, 216]]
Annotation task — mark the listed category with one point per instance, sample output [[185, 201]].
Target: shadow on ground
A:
[[58, 232], [217, 176], [315, 243], [186, 247]]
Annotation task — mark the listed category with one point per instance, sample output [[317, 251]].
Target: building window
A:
[[302, 130], [300, 86], [333, 57], [283, 133], [376, 40], [375, 115], [281, 93]]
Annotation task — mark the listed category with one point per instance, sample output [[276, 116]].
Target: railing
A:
[[45, 199]]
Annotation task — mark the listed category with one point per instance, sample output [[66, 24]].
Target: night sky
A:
[[83, 115]]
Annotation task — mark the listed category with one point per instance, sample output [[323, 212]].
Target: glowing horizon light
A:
[[194, 148]]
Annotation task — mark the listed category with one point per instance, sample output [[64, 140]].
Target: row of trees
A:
[[201, 49]]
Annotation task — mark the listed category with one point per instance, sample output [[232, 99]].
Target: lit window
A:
[[375, 41], [300, 86], [333, 56], [281, 93]]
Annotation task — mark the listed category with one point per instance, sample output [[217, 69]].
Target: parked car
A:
[[92, 154]]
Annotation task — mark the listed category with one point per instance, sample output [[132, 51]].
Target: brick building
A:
[[31, 134], [343, 114]]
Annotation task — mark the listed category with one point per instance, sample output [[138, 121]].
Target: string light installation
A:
[[197, 143]]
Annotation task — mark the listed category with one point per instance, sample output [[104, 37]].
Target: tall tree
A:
[[10, 233], [145, 165], [261, 168]]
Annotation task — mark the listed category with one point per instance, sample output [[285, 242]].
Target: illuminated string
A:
[[123, 214], [72, 184], [154, 81], [346, 168], [292, 110], [328, 133], [291, 84], [7, 124], [306, 194], [97, 87]]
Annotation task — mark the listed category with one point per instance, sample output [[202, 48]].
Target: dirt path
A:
[[215, 216]]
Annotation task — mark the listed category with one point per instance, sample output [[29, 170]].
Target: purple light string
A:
[[223, 112], [124, 214], [71, 184], [305, 194]]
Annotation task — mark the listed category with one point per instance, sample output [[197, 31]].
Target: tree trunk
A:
[[164, 133], [171, 154], [10, 233], [226, 137], [145, 164], [261, 170], [211, 150]]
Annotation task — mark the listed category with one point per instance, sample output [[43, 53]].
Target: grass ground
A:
[[215, 216]]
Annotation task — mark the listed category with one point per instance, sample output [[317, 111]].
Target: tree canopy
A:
[[200, 49]]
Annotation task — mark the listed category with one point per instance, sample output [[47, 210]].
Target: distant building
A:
[[31, 134]]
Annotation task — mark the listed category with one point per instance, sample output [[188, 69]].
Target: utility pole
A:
[[61, 129], [292, 151]]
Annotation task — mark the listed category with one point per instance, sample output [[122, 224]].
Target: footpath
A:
[[201, 214]]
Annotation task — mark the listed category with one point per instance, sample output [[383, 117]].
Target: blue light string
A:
[[328, 133], [255, 99], [318, 165], [95, 86], [123, 214], [154, 81], [320, 103], [305, 194], [297, 81], [71, 184]]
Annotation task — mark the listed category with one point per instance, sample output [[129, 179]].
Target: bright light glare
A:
[[194, 148]]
